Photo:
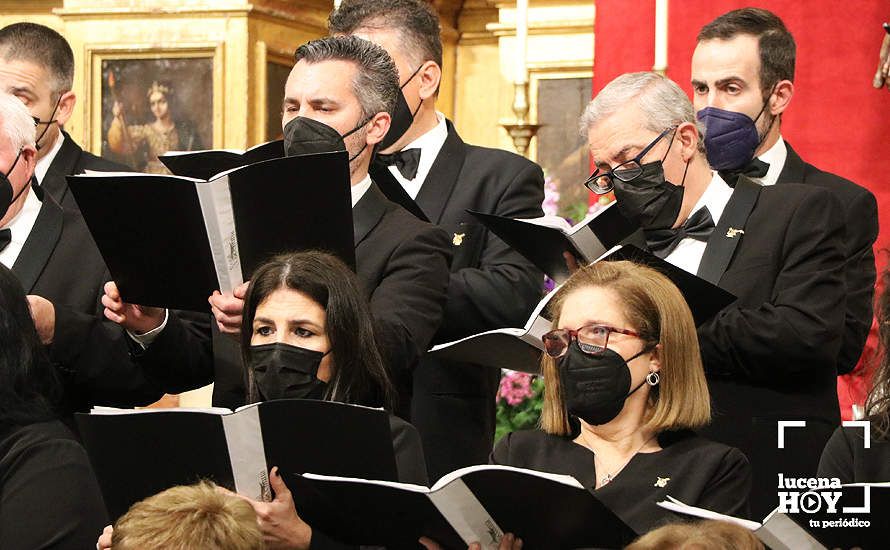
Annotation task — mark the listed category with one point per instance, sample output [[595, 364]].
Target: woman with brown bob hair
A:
[[625, 390]]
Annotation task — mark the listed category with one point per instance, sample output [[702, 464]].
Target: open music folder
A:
[[170, 241], [476, 503], [520, 348], [543, 241], [857, 519], [137, 453], [205, 164]]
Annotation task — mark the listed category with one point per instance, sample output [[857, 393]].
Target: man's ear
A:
[[28, 160], [687, 136], [377, 128], [781, 97], [66, 107], [430, 76]]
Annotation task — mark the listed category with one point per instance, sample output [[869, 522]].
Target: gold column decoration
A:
[[521, 131]]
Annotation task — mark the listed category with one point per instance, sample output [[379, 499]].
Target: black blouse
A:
[[690, 468], [49, 497], [846, 458]]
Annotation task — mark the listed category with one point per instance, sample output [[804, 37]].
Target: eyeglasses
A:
[[592, 339], [602, 183]]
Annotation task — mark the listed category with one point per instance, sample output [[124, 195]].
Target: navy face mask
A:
[[6, 191], [730, 138]]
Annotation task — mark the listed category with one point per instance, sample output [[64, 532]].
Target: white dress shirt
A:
[[359, 189], [429, 144], [43, 164], [20, 227], [774, 156], [689, 251]]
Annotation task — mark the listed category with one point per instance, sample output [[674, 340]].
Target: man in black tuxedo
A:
[[743, 72], [771, 355], [37, 66], [402, 262], [42, 243], [491, 286]]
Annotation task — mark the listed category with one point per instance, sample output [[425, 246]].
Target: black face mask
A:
[[6, 191], [649, 199], [305, 136], [402, 117], [282, 371], [594, 387]]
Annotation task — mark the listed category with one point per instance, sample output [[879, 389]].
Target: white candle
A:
[[521, 40], [337, 4], [661, 35]]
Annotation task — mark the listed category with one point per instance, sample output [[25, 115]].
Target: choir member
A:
[[625, 392], [49, 496]]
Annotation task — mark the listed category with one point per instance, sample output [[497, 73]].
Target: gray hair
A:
[[42, 46], [376, 83], [662, 102], [16, 123]]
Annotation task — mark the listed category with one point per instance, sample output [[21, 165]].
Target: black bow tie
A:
[[699, 226], [405, 161], [754, 169], [5, 238]]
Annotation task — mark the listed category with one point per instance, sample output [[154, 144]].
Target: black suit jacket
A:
[[491, 286], [60, 262], [402, 264], [771, 355], [860, 211], [70, 160]]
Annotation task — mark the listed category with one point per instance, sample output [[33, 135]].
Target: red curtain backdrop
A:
[[836, 120]]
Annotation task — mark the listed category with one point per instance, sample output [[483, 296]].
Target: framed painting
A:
[[145, 103]]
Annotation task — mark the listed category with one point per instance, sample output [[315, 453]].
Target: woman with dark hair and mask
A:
[[307, 333], [845, 455], [49, 496], [625, 388]]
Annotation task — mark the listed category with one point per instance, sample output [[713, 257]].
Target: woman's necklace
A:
[[610, 475]]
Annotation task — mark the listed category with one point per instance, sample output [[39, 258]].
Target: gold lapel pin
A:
[[732, 232], [662, 482], [458, 239]]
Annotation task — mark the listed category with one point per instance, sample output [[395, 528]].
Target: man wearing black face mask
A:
[[37, 66], [491, 286], [338, 97], [742, 78], [771, 355]]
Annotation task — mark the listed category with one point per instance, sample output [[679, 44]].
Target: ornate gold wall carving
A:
[[244, 37]]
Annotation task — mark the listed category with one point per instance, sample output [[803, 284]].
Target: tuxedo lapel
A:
[[440, 182], [63, 165], [366, 214], [40, 243], [793, 171], [729, 231]]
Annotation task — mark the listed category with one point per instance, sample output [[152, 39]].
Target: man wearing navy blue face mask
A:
[[742, 79]]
